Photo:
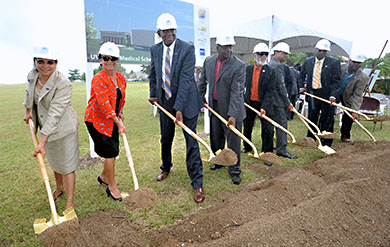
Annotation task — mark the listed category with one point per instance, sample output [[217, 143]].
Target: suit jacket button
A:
[[41, 116]]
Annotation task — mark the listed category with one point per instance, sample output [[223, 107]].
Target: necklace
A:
[[40, 83]]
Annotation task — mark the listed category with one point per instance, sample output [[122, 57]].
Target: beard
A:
[[259, 62]]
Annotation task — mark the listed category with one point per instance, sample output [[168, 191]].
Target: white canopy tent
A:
[[272, 30]]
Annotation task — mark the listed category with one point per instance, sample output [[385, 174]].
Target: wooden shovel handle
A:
[[339, 105], [186, 129], [360, 125], [131, 163], [272, 122], [255, 153], [41, 162]]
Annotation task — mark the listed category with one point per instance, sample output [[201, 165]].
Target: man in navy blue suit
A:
[[321, 75], [172, 85]]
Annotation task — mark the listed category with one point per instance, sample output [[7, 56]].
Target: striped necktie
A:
[[316, 76], [167, 81]]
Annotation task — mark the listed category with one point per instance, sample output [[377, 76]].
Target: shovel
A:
[[360, 125], [325, 149], [265, 157], [40, 224], [224, 157], [324, 134], [347, 108], [272, 122], [141, 198], [303, 142]]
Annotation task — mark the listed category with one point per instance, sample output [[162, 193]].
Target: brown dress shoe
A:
[[346, 140], [162, 176], [199, 195]]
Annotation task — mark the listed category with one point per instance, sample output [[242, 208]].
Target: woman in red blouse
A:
[[104, 117]]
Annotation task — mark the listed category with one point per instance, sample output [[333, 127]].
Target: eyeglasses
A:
[[262, 53], [107, 58], [50, 62], [168, 30]]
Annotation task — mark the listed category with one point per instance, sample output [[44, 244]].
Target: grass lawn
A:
[[23, 196]]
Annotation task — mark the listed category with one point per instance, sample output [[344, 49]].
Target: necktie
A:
[[316, 76], [167, 81]]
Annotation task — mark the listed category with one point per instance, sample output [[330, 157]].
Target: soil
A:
[[225, 157], [87, 161], [141, 198], [340, 200]]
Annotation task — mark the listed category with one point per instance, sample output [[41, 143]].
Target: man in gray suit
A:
[[225, 75], [172, 85], [353, 82], [281, 100]]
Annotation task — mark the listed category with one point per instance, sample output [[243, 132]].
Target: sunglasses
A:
[[107, 58], [262, 53], [50, 62]]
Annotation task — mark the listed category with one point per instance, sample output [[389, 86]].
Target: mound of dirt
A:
[[141, 198], [340, 200]]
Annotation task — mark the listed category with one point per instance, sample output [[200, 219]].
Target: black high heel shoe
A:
[[109, 194], [101, 181]]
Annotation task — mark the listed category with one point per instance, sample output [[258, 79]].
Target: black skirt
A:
[[105, 146]]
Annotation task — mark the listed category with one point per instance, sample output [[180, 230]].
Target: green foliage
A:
[[145, 69], [90, 28], [74, 75], [299, 57]]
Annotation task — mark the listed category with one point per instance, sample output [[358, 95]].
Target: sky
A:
[[25, 24]]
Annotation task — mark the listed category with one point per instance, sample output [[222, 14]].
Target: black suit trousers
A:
[[193, 160], [322, 114], [266, 129], [346, 124], [219, 133]]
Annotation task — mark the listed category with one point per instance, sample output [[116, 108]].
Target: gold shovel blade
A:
[[41, 225], [267, 157]]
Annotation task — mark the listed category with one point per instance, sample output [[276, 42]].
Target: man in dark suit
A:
[[321, 74], [259, 90], [280, 98], [173, 86], [353, 82], [225, 75], [291, 85]]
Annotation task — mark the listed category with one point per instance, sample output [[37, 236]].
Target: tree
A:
[[74, 75], [145, 69], [90, 28]]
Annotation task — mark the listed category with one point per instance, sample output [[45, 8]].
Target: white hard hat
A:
[[260, 47], [166, 21], [323, 44], [45, 52], [109, 49], [356, 57], [225, 39], [282, 46]]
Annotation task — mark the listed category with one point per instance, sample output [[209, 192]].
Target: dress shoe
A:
[[215, 167], [162, 176], [246, 150], [267, 164], [236, 179], [110, 195], [346, 140], [101, 181], [199, 195], [288, 155]]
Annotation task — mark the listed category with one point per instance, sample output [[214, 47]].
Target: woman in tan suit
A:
[[48, 104]]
